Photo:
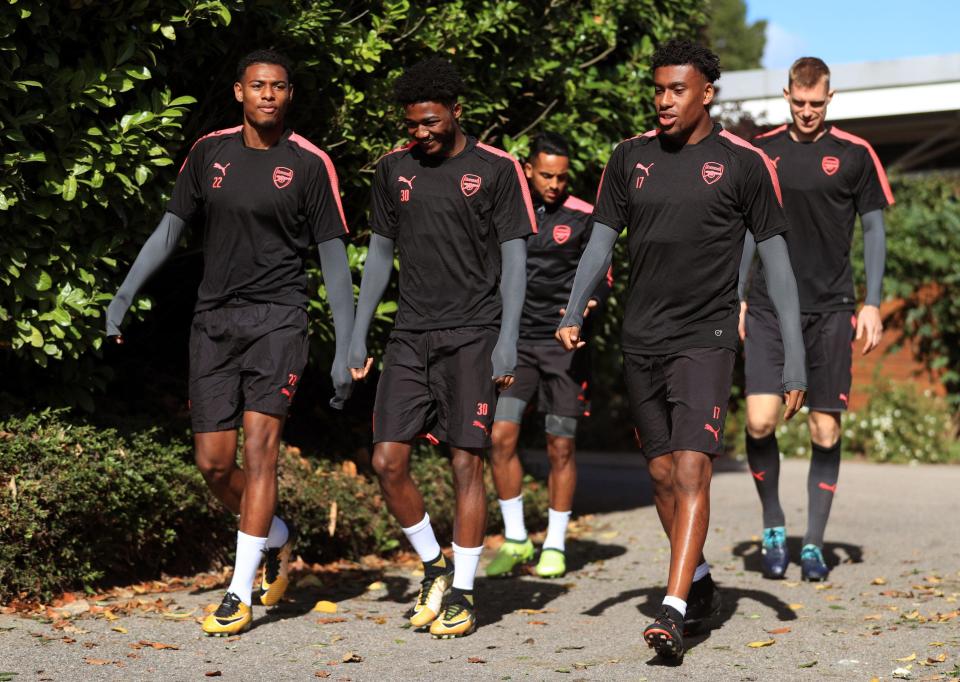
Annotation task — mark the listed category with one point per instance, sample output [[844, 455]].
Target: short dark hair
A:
[[807, 72], [682, 52], [264, 57], [431, 80], [549, 143]]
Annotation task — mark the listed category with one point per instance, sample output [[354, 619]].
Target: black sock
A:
[[763, 457], [461, 596], [437, 566], [821, 486]]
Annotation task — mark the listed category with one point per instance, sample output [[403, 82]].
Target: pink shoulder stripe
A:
[[521, 178], [401, 148], [740, 142], [881, 173], [215, 133], [576, 204], [331, 173], [771, 133]]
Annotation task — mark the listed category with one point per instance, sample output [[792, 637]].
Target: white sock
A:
[[423, 540], [556, 530], [677, 603], [249, 555], [279, 533], [513, 526], [703, 570], [465, 562]]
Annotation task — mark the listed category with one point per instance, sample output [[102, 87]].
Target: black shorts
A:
[[828, 339], [679, 401], [244, 358], [437, 385], [561, 376]]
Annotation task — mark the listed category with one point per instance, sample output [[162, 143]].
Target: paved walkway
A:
[[893, 595]]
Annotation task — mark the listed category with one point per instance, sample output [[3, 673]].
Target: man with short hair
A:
[[828, 176], [687, 193], [264, 194], [558, 379], [458, 211]]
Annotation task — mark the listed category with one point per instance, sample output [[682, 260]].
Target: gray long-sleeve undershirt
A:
[[781, 284], [376, 276], [336, 274], [874, 257]]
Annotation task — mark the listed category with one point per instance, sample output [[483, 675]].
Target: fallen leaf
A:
[[762, 643], [377, 585], [334, 619], [778, 631], [937, 659], [324, 606], [795, 607], [110, 615], [609, 535], [380, 620], [309, 580], [212, 673], [536, 622], [97, 661], [878, 581], [807, 665], [936, 643], [351, 657], [121, 630], [902, 674], [873, 616], [178, 615], [475, 659], [529, 640], [158, 645], [907, 659], [322, 673], [531, 612]]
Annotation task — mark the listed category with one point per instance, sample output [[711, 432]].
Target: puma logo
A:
[[775, 161], [715, 432], [480, 425], [645, 169], [758, 474], [826, 486], [222, 169], [409, 182]]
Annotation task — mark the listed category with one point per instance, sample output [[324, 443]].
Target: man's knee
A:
[[503, 438], [389, 466], [691, 471], [216, 470], [560, 450], [467, 466], [763, 411], [824, 428], [661, 472]]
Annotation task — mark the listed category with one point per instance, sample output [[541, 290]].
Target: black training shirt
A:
[[262, 208], [448, 217], [686, 211], [825, 183], [553, 254]]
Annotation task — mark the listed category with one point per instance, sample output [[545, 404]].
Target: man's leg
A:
[[821, 486], [216, 457], [508, 478], [691, 473]]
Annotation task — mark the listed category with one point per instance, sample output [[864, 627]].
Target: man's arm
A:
[[339, 285], [376, 277], [869, 324], [749, 249], [513, 288], [782, 289], [594, 264], [154, 253]]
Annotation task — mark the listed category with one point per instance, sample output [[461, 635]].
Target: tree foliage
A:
[[738, 44], [101, 100]]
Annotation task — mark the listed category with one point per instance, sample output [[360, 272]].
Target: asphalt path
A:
[[893, 594]]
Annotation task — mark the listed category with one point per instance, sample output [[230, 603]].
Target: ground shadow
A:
[[834, 553], [731, 596]]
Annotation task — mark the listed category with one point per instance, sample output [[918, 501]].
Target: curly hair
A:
[[684, 52], [264, 57], [431, 80]]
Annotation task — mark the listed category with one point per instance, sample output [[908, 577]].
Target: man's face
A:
[[808, 106], [433, 126], [548, 175], [681, 95], [265, 94]]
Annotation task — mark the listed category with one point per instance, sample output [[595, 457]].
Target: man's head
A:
[[548, 167], [264, 87], [808, 93], [429, 93], [683, 78]]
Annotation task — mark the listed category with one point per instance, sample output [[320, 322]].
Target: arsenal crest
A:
[[469, 184], [282, 176], [711, 172], [561, 233], [830, 164]]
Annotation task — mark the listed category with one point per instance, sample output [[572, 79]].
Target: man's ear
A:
[[786, 94], [709, 92], [238, 91], [457, 110], [528, 170]]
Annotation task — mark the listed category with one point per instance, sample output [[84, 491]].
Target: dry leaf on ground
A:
[[762, 643]]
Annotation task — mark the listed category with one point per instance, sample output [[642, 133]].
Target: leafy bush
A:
[[81, 506], [899, 424]]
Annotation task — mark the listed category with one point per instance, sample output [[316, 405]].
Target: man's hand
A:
[[115, 339], [869, 327], [569, 338], [794, 400], [360, 373], [742, 325], [503, 382]]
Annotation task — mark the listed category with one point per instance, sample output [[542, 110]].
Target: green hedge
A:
[[84, 507]]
